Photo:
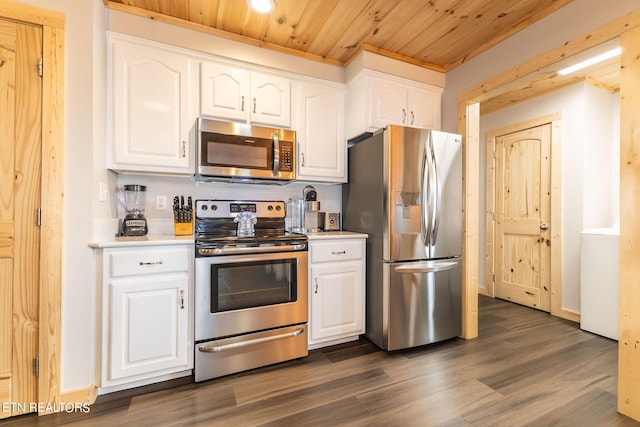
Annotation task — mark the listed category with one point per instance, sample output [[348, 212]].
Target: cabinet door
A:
[[337, 304], [148, 325], [270, 102], [320, 132], [152, 114], [388, 104], [224, 92], [424, 108]]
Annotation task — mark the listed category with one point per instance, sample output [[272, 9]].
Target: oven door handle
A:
[[235, 345], [258, 250]]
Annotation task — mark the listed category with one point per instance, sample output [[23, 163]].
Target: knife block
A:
[[182, 228]]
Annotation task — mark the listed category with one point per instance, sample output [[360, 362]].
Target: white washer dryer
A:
[[599, 256]]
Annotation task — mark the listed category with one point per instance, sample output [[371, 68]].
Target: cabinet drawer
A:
[[152, 261], [337, 250]]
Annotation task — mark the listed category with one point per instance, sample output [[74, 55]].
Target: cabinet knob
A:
[[182, 300], [184, 149], [412, 117], [316, 280], [242, 103], [404, 115], [254, 105], [302, 156]]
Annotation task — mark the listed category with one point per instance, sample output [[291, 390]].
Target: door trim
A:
[[555, 120], [52, 190]]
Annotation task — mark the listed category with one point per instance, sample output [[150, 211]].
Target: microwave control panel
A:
[[286, 156]]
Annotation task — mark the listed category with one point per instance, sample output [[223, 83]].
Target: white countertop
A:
[[155, 240], [321, 235], [149, 240]]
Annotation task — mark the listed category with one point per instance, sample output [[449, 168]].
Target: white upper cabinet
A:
[[151, 109], [234, 93], [377, 100], [319, 121]]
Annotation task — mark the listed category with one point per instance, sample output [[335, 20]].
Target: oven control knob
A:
[[204, 207], [214, 207]]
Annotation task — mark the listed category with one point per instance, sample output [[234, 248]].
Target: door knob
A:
[[544, 227]]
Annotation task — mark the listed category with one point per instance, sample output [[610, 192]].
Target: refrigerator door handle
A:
[[437, 196], [425, 191], [426, 267]]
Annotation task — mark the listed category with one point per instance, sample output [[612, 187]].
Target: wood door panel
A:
[[20, 181], [522, 211]]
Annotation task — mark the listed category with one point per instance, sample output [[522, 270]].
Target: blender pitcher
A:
[[133, 199]]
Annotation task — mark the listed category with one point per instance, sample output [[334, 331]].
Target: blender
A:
[[133, 198]]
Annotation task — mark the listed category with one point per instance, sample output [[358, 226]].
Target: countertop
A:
[[149, 240], [322, 235], [155, 240]]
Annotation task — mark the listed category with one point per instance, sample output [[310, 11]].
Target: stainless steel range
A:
[[250, 287]]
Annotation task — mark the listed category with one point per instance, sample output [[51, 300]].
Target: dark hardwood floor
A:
[[526, 368]]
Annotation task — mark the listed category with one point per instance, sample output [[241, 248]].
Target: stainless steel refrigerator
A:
[[405, 192]]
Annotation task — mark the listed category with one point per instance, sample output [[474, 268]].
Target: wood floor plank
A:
[[526, 368]]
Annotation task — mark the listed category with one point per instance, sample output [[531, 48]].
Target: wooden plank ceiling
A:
[[436, 34]]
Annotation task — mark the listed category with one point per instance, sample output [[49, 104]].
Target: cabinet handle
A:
[[151, 262], [242, 105], [338, 252], [254, 105], [412, 117], [302, 155], [182, 300], [316, 280], [184, 149], [404, 115]]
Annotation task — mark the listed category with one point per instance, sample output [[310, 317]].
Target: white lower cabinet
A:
[[147, 313], [337, 289]]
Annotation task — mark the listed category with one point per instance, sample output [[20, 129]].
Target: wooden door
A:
[[20, 163], [523, 217]]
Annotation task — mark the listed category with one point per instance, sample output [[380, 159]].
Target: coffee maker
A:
[[313, 218], [133, 199]]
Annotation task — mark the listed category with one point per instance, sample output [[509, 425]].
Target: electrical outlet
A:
[[161, 202], [102, 192]]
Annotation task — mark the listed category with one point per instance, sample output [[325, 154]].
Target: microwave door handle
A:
[[276, 155]]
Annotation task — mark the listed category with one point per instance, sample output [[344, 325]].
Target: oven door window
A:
[[241, 285]]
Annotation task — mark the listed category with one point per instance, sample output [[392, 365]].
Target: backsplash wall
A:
[[160, 221]]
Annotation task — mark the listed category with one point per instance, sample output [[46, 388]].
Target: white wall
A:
[[588, 192], [573, 20]]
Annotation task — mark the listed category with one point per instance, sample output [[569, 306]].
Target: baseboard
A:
[[574, 316], [82, 395]]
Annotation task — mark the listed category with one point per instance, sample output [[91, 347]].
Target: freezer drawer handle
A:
[[241, 344], [427, 268]]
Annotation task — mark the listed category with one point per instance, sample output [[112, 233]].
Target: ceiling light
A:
[[591, 61], [262, 6]]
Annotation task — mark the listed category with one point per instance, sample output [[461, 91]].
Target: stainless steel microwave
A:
[[237, 152]]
